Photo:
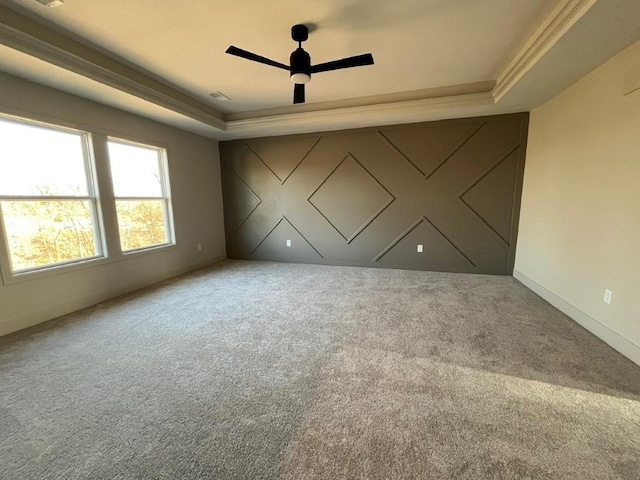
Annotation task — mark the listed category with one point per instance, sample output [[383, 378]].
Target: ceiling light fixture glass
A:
[[300, 78]]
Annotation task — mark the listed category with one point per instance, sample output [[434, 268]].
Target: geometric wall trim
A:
[[274, 243], [241, 201], [438, 253], [430, 147], [350, 214], [369, 197], [282, 155], [494, 189]]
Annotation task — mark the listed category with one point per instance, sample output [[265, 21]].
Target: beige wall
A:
[[194, 170], [580, 215]]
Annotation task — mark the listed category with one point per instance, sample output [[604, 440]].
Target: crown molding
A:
[[61, 48], [21, 33], [365, 116], [386, 98], [559, 21]]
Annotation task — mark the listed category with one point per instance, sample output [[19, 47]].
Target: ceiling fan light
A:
[[300, 78]]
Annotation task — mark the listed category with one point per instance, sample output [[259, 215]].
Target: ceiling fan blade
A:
[[238, 52], [298, 93], [357, 61]]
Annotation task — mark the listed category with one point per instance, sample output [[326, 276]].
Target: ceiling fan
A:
[[300, 67]]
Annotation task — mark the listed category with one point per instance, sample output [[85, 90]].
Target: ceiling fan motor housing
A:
[[300, 63]]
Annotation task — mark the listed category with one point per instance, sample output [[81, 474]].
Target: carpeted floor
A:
[[251, 370]]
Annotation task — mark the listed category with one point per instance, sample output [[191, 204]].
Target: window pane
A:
[[37, 160], [141, 223], [135, 170], [45, 232]]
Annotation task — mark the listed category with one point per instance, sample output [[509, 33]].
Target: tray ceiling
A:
[[433, 58]]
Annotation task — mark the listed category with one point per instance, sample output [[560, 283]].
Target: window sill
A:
[[11, 278], [147, 250]]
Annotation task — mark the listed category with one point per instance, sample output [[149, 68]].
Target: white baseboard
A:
[[54, 311], [613, 339]]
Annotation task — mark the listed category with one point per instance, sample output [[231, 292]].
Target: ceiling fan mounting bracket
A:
[[299, 33]]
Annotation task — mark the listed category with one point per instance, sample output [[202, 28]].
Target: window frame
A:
[[9, 274], [165, 189]]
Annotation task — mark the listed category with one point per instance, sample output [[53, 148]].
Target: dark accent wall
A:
[[370, 197]]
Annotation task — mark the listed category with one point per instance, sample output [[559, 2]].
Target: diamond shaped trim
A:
[[350, 198]]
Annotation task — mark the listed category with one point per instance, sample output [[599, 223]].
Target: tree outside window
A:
[[48, 199], [141, 190]]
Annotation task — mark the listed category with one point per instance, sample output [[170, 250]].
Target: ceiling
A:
[[433, 58]]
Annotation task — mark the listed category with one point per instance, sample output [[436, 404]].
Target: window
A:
[[141, 190], [50, 210], [48, 195]]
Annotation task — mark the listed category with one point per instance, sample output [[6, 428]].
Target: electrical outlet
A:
[[419, 248], [288, 243], [199, 247], [607, 296]]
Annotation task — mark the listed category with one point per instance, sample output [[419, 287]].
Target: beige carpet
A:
[[252, 370]]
